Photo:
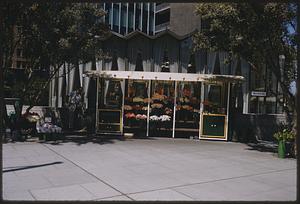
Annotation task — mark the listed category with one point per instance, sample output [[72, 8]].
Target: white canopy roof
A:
[[164, 76]]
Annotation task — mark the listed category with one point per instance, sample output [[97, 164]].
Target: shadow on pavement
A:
[[263, 146], [88, 138], [10, 169]]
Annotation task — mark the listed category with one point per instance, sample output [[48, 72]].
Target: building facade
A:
[[128, 50]]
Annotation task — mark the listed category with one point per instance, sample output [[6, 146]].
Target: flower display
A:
[[160, 118], [31, 117], [48, 128]]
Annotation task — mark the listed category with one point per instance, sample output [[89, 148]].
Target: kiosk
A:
[[163, 104]]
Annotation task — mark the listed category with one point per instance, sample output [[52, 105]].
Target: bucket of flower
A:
[[282, 138]]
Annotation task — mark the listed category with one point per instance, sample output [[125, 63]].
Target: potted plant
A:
[[282, 137]]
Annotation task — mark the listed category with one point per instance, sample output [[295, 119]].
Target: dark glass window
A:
[[123, 16], [162, 17], [145, 6], [151, 7], [116, 15], [151, 22], [108, 13], [123, 30], [145, 20], [137, 18], [130, 16]]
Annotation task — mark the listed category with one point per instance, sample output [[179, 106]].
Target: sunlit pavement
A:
[[145, 169]]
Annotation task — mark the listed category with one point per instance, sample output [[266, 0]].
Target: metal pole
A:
[[227, 114], [148, 109], [97, 101], [174, 110], [122, 109]]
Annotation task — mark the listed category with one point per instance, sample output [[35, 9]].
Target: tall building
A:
[[180, 18], [124, 18], [151, 18]]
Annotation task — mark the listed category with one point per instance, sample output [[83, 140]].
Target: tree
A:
[[50, 35], [257, 32]]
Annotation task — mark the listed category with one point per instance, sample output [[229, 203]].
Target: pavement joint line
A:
[[98, 199], [212, 181], [182, 193], [87, 172], [32, 194]]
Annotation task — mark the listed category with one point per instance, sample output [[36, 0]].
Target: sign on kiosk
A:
[[258, 93]]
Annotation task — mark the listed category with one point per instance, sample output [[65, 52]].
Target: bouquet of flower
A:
[[284, 135], [137, 99], [141, 117], [154, 118], [127, 107], [165, 118], [137, 107], [146, 100], [156, 105], [168, 111], [186, 107], [158, 96], [130, 115]]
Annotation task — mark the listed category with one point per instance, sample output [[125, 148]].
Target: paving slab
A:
[[74, 192], [18, 195], [100, 190]]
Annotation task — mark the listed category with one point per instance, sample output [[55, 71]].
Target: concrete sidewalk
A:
[[145, 169]]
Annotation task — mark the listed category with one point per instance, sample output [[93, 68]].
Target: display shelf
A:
[[187, 129]]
